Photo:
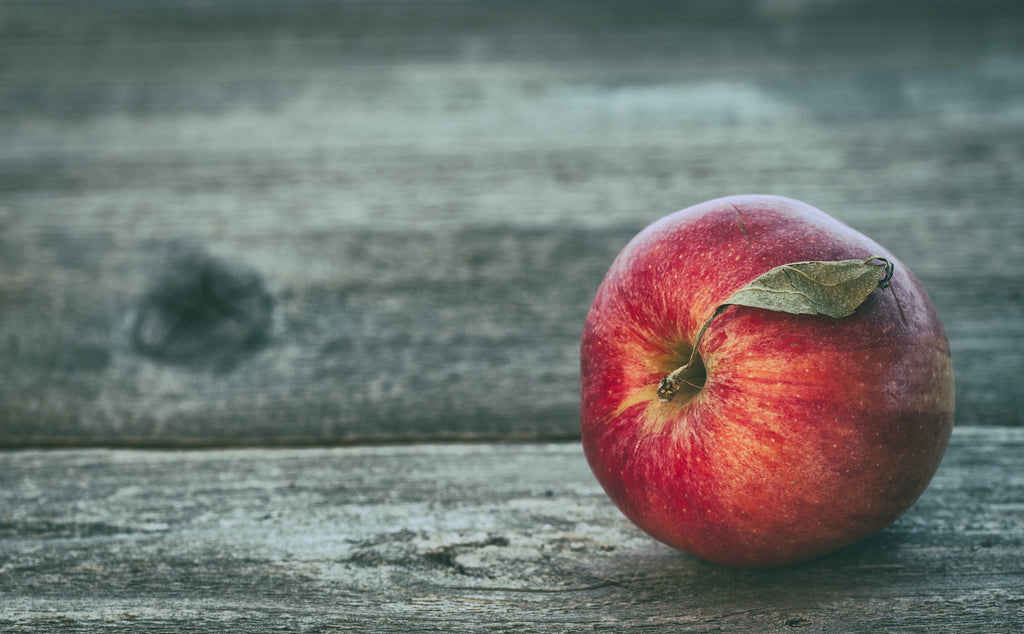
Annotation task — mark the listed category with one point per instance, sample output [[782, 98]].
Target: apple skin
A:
[[809, 433]]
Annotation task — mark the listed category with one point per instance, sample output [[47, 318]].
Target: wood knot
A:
[[201, 309]]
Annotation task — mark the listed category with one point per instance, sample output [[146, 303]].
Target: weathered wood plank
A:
[[473, 537], [442, 188]]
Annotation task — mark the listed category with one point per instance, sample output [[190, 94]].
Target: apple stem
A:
[[673, 382]]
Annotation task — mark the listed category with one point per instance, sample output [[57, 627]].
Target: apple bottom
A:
[[774, 462]]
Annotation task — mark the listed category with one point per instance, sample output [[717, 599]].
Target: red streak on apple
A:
[[805, 434]]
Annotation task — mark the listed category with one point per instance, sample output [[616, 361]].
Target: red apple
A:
[[795, 435]]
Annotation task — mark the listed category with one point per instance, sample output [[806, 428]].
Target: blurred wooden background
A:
[[244, 222]]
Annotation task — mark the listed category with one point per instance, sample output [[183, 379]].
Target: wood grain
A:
[[464, 537], [431, 194]]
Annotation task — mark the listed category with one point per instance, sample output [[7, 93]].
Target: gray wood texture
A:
[[465, 538], [320, 222]]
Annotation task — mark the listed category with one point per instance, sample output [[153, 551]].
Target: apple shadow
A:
[[792, 596]]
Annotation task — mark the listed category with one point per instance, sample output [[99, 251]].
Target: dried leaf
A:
[[835, 289]]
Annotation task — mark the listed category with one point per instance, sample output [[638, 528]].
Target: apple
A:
[[793, 435]]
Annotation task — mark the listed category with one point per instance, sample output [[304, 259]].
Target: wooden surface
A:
[[465, 537], [320, 222]]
